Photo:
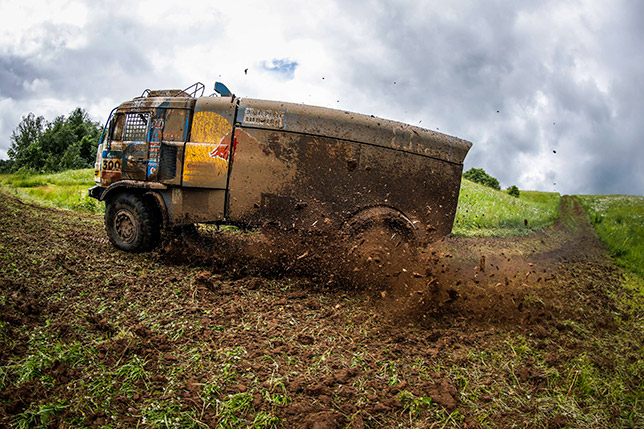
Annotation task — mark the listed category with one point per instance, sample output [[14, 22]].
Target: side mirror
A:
[[110, 134], [108, 129]]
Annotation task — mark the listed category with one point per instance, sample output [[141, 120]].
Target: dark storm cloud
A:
[[458, 72], [102, 61], [14, 72], [113, 63], [116, 58], [115, 53], [110, 55], [517, 93]]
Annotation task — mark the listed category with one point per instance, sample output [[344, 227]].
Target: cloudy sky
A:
[[551, 93]]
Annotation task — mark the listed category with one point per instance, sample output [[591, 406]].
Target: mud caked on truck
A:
[[171, 158]]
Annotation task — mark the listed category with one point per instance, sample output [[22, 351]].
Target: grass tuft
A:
[[40, 415]]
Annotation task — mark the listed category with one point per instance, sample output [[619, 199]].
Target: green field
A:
[[619, 221], [483, 211], [66, 190], [113, 339]]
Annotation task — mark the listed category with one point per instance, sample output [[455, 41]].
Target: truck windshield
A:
[[117, 127]]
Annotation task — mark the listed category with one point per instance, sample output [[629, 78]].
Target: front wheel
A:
[[131, 223]]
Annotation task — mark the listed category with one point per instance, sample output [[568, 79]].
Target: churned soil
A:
[[303, 333]]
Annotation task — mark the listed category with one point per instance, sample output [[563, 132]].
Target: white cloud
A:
[[27, 26]]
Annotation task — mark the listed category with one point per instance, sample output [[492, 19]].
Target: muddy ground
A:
[[241, 329]]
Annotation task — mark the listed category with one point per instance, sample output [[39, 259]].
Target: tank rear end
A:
[[317, 169]]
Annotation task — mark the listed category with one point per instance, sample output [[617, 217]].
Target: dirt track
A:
[[211, 321]]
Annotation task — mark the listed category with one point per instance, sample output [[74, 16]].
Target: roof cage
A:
[[190, 92], [193, 89]]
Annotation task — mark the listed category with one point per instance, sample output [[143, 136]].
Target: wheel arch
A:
[[149, 192]]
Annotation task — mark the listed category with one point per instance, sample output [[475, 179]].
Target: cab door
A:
[[175, 134], [209, 151]]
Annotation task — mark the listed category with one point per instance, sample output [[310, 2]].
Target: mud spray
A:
[[485, 280], [399, 279]]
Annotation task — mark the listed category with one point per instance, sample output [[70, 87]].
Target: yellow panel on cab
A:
[[208, 152]]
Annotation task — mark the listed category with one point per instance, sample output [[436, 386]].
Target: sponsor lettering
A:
[[264, 118]]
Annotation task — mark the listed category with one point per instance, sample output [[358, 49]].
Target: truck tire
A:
[[381, 243], [131, 224]]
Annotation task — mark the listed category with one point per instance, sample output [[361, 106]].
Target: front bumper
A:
[[96, 191]]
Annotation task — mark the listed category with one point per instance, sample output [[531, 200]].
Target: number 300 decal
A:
[[111, 165]]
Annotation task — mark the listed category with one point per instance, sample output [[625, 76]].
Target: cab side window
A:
[[136, 125]]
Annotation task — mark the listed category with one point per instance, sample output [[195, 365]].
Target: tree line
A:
[[38, 145], [479, 175]]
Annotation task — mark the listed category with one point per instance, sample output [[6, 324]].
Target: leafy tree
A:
[[24, 136], [479, 175], [6, 165], [514, 191], [71, 159], [64, 143]]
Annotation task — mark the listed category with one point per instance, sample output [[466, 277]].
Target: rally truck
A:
[[173, 158]]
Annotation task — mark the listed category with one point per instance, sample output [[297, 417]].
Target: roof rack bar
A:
[[193, 89]]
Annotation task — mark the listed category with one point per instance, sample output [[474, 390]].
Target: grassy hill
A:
[[67, 189], [483, 211], [619, 221]]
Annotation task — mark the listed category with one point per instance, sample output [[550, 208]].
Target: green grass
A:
[[67, 189], [619, 221], [483, 211], [40, 415]]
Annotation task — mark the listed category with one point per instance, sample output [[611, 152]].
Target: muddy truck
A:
[[173, 158]]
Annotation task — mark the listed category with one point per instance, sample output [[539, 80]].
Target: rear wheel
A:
[[381, 246], [131, 223]]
